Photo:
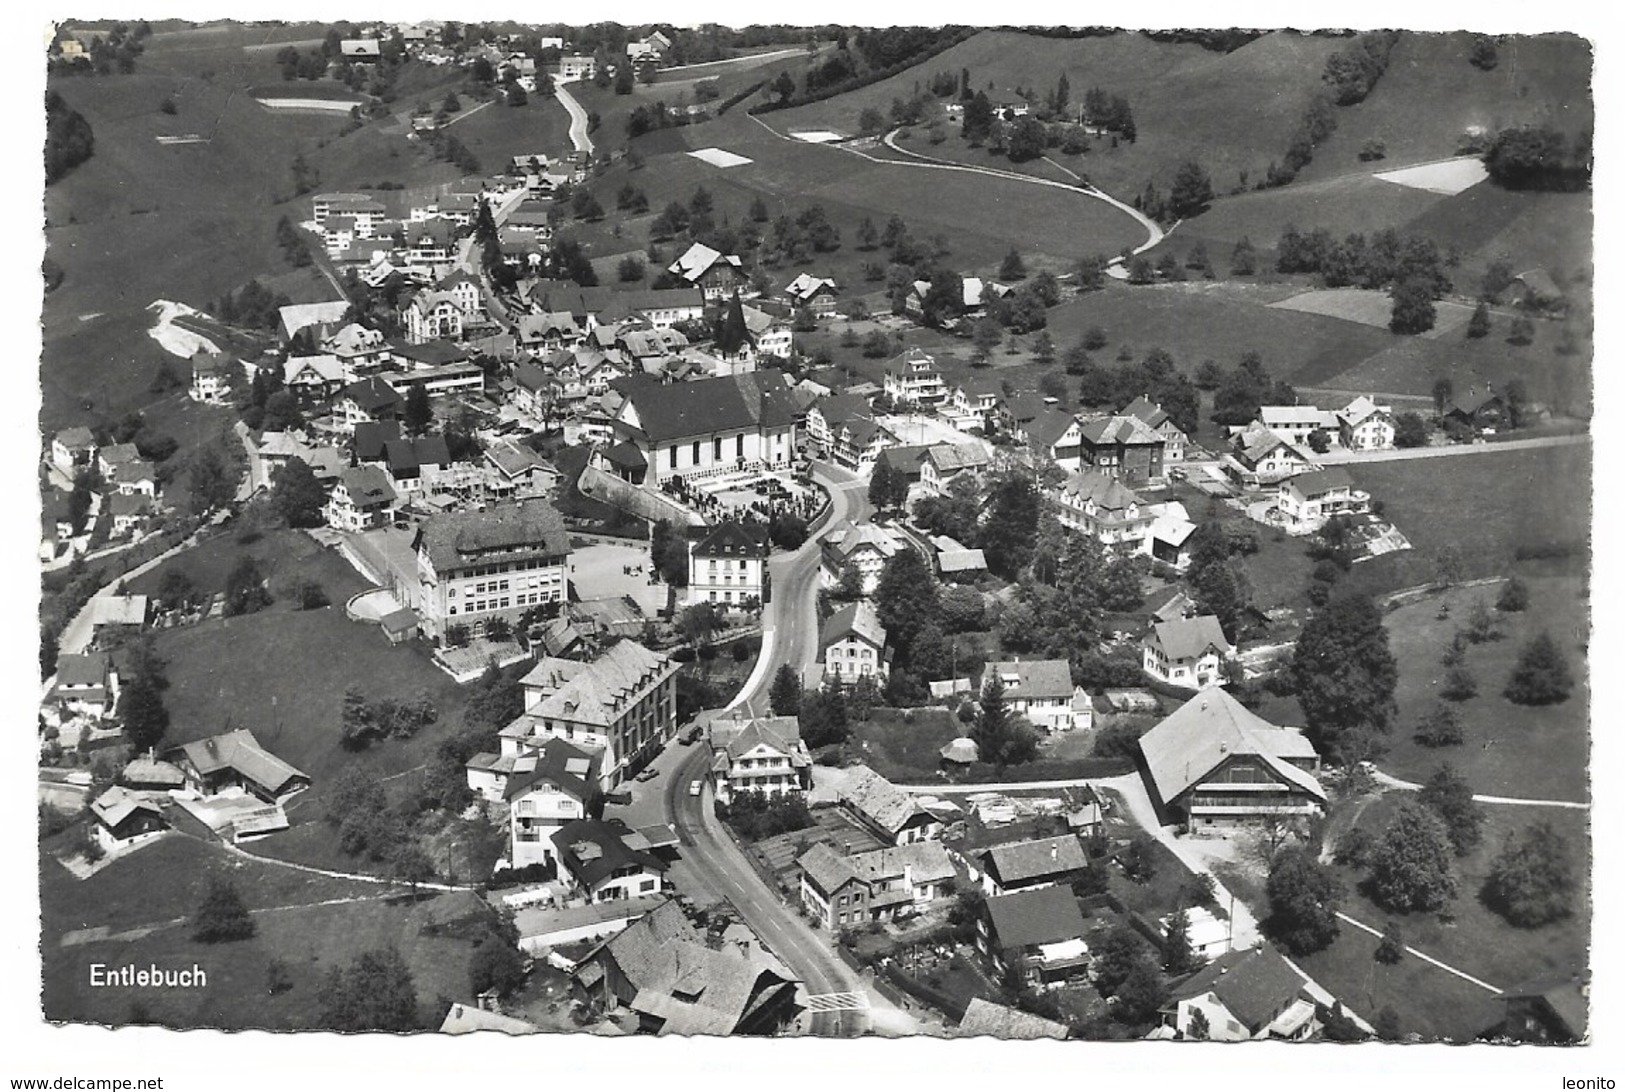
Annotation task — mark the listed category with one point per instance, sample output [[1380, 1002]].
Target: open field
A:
[[1430, 1001], [906, 749], [1232, 111], [1508, 750], [167, 880], [1487, 504], [1373, 307]]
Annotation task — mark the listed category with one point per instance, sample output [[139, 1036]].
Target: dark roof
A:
[[734, 539], [572, 769], [1566, 998], [838, 408], [1017, 862], [1255, 985], [432, 451], [1044, 915], [241, 752], [1119, 430], [908, 459], [1150, 413], [626, 454], [502, 532], [371, 436], [1319, 482], [1047, 427], [1025, 405], [593, 850], [372, 394], [430, 353], [676, 411]]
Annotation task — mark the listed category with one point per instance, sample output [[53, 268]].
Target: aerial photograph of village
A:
[[683, 529]]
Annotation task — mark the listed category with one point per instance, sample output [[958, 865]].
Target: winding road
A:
[[790, 636], [578, 118]]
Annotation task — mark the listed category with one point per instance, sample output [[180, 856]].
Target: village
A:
[[794, 699]]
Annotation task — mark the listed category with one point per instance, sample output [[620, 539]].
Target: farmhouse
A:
[[1254, 994], [1363, 425], [473, 566], [1212, 762], [1056, 437], [729, 565], [661, 969], [715, 274], [764, 754], [1263, 456], [123, 819], [236, 760], [1042, 691], [1295, 424], [1036, 935], [945, 464], [864, 546], [853, 644], [1187, 652], [888, 812], [369, 400], [815, 294], [1025, 866]]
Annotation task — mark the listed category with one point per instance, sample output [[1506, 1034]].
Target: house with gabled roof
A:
[[597, 858], [716, 274], [1297, 423], [914, 379], [842, 892], [1154, 417], [1187, 652], [815, 294], [729, 565], [852, 644], [945, 464], [360, 350], [499, 561], [1253, 994], [1215, 763], [1307, 500], [624, 703], [891, 814], [362, 499], [1261, 456], [1548, 1010], [1055, 436], [984, 1017], [1363, 425], [973, 401], [710, 428], [1024, 866], [236, 760], [123, 818], [1036, 935], [864, 545], [87, 684], [73, 449], [761, 754], [1123, 447], [369, 399], [1042, 691], [661, 969], [1102, 507], [315, 377]]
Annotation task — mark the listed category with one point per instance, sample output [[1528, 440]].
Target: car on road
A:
[[694, 788], [646, 773]]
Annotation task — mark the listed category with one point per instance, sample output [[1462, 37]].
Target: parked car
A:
[[694, 787], [646, 773]]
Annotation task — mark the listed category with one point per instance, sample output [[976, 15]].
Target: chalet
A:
[[888, 812], [362, 499], [763, 754], [1260, 456], [1042, 691], [314, 377], [596, 857], [236, 760], [828, 412], [661, 969], [853, 644], [360, 351], [1035, 935], [86, 684], [1102, 507], [729, 565], [1028, 865], [498, 562], [946, 464], [123, 819], [767, 334], [864, 546], [859, 441], [1478, 412], [1212, 762], [817, 295], [1254, 994], [715, 274], [1123, 447], [974, 402], [624, 704], [1363, 425], [547, 333], [211, 381], [72, 450], [369, 400], [429, 242], [1187, 652], [915, 381], [1154, 417], [520, 471], [1056, 437], [1306, 501], [543, 787], [710, 428]]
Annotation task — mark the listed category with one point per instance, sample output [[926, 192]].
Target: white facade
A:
[[535, 816]]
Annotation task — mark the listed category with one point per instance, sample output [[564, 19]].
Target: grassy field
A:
[[166, 880], [905, 746], [1509, 750], [1429, 1001], [1487, 504]]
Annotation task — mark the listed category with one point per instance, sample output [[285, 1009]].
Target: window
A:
[[739, 446], [696, 453], [716, 449], [674, 456]]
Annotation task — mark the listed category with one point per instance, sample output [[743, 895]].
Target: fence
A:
[[952, 1007]]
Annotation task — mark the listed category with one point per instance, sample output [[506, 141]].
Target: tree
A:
[[141, 707], [1391, 949], [297, 497], [784, 86], [1013, 268], [1451, 798], [1410, 866], [1522, 331], [1243, 259], [698, 623], [985, 336], [1044, 348], [1119, 952], [1303, 897], [823, 715], [1532, 880], [1192, 190], [1011, 530], [418, 415], [245, 588], [374, 993], [905, 598], [1410, 430], [1541, 676], [222, 916], [1177, 955], [1413, 307], [1447, 565], [1479, 325], [1001, 738], [785, 695], [1320, 441], [410, 864], [1514, 597], [1440, 728], [884, 481], [1140, 997], [495, 965], [1459, 683], [1344, 674]]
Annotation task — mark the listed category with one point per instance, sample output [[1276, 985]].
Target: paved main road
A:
[[790, 636], [578, 118], [1342, 457]]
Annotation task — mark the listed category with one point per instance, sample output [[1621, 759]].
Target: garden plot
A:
[[719, 158], [1448, 177]]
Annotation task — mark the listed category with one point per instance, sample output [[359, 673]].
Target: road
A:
[[1399, 454], [790, 636], [578, 118]]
